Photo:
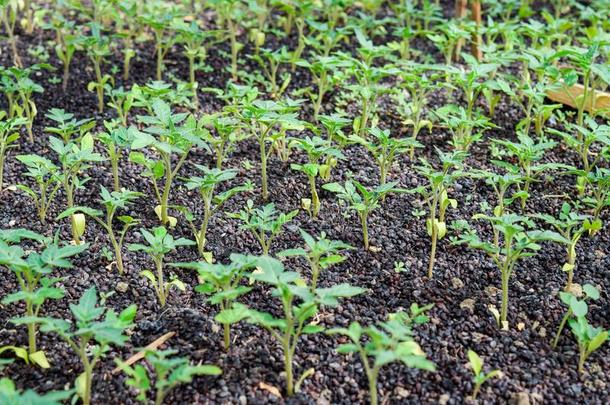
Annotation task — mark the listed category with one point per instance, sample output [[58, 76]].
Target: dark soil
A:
[[532, 369]]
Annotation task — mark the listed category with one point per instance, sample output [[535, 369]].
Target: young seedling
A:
[[121, 101], [385, 149], [9, 394], [170, 371], [127, 26], [270, 62], [159, 244], [584, 66], [159, 19], [97, 46], [231, 15], [516, 244], [193, 40], [479, 376], [358, 198], [416, 86], [589, 338], [324, 73], [264, 117], [25, 88], [571, 225], [300, 305], [8, 16], [75, 158], [387, 342], [321, 253], [464, 130], [32, 271], [213, 200], [67, 127], [67, 43], [221, 282], [590, 142], [319, 153], [368, 88], [334, 124], [48, 182], [265, 223], [576, 307], [9, 135], [436, 196], [91, 337], [527, 152], [167, 134], [112, 202], [226, 133], [115, 140], [599, 198]]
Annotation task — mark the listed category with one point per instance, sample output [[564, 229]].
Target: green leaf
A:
[[475, 362]]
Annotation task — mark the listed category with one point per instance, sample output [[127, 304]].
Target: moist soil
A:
[[465, 281]]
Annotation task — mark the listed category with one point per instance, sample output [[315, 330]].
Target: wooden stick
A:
[[140, 355], [596, 100], [460, 12], [476, 36]]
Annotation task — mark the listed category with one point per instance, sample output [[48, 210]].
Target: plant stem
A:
[[504, 309], [315, 199], [365, 230], [432, 251], [114, 161], [561, 326], [160, 281], [571, 263], [263, 151], [227, 335], [203, 230], [99, 87], [582, 358]]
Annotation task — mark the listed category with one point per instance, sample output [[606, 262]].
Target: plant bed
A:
[[474, 159]]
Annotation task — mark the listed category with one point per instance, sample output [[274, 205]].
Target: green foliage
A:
[[321, 253], [387, 342], [67, 126], [436, 195], [516, 243], [300, 305], [75, 157], [589, 338], [479, 376], [170, 371], [112, 202], [264, 223], [268, 121], [576, 307], [362, 200], [91, 336], [33, 272], [115, 140], [571, 225], [97, 46], [385, 149], [321, 157], [46, 176], [213, 199], [168, 134], [9, 135], [159, 244], [221, 282], [10, 395]]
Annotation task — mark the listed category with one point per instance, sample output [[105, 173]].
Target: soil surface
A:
[[465, 281]]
